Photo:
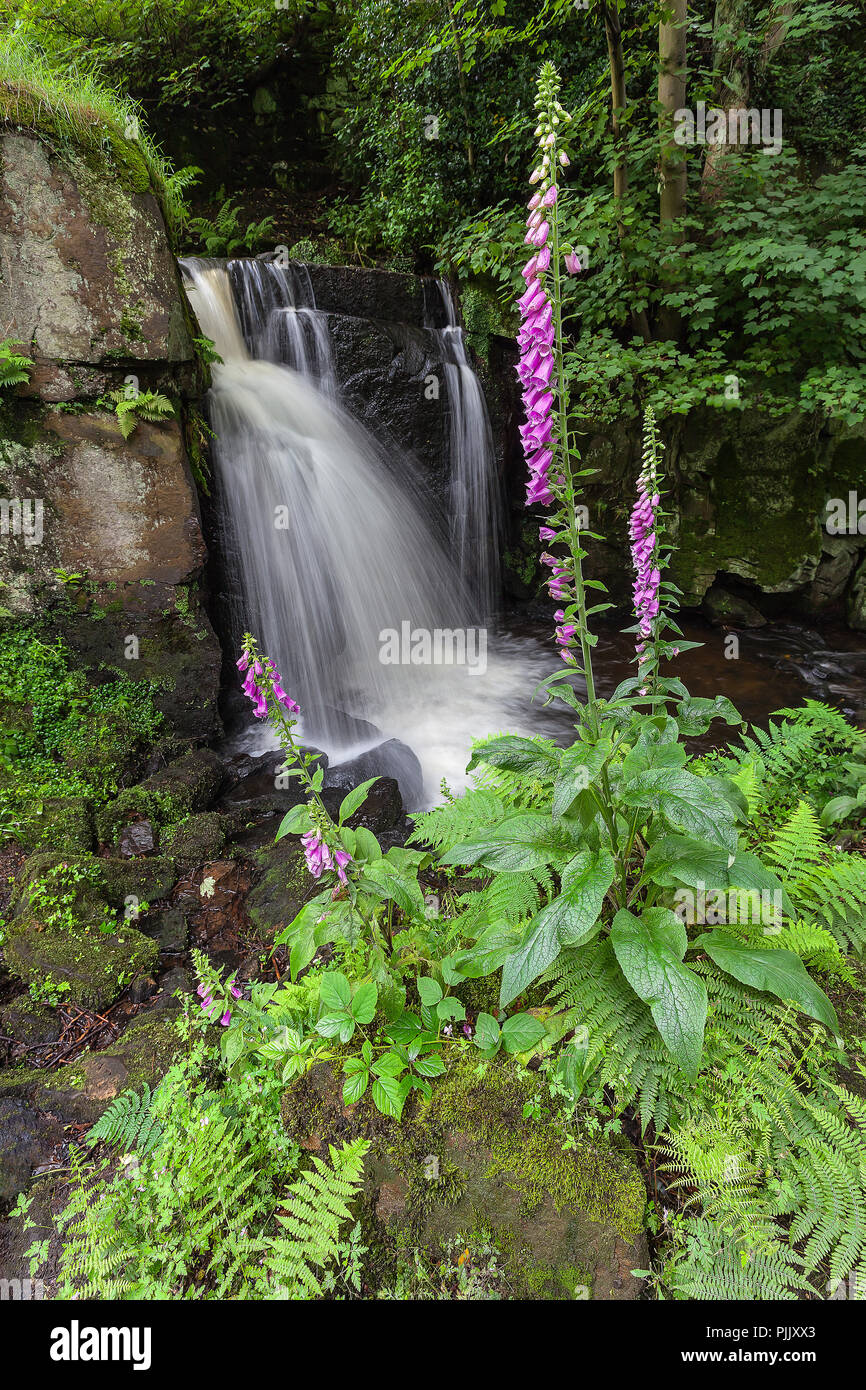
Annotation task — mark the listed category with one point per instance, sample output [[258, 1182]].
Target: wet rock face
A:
[[87, 269], [89, 288]]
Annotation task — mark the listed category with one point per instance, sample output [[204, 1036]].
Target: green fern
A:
[[822, 882], [458, 819], [705, 1263], [128, 1124], [319, 1206], [14, 367]]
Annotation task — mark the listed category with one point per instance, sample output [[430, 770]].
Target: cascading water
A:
[[475, 503], [328, 552]]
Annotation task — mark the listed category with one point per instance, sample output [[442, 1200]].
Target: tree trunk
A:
[[672, 163], [672, 98]]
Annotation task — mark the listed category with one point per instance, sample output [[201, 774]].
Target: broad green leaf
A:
[[295, 822], [450, 1010], [513, 754], [537, 951], [682, 859], [391, 1064], [355, 798], [430, 1065], [389, 1096], [364, 1003], [695, 715], [579, 766], [367, 846], [490, 951], [585, 880], [486, 1032], [335, 992], [520, 1032], [685, 802], [429, 991], [649, 952], [386, 880], [518, 843], [406, 1027], [355, 1086], [777, 972], [332, 1024]]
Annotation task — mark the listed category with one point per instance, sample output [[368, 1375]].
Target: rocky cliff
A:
[[101, 532]]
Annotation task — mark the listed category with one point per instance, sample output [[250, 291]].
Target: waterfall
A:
[[475, 503], [328, 551]]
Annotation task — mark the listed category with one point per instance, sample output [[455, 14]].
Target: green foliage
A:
[[206, 1210], [223, 236], [822, 882], [128, 1124], [58, 91], [318, 1207], [59, 735], [809, 754], [130, 406], [14, 367]]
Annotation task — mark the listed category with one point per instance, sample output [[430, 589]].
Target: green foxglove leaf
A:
[[777, 972], [294, 822], [355, 798], [685, 802], [518, 843], [579, 766], [513, 754], [650, 952]]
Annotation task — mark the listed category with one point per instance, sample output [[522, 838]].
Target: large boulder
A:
[[568, 1223]]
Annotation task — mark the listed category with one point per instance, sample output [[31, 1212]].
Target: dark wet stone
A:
[[26, 1140], [169, 928], [139, 838], [392, 759]]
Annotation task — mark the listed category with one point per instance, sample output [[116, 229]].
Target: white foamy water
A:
[[328, 547]]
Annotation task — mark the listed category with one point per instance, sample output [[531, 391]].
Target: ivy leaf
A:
[[777, 972], [650, 952]]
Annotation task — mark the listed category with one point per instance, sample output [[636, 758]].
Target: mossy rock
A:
[[568, 1223], [283, 888], [147, 879], [29, 1023], [187, 785], [96, 966], [195, 840], [65, 823], [81, 1092]]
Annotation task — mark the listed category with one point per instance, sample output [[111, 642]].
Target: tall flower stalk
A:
[[263, 685], [547, 442]]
